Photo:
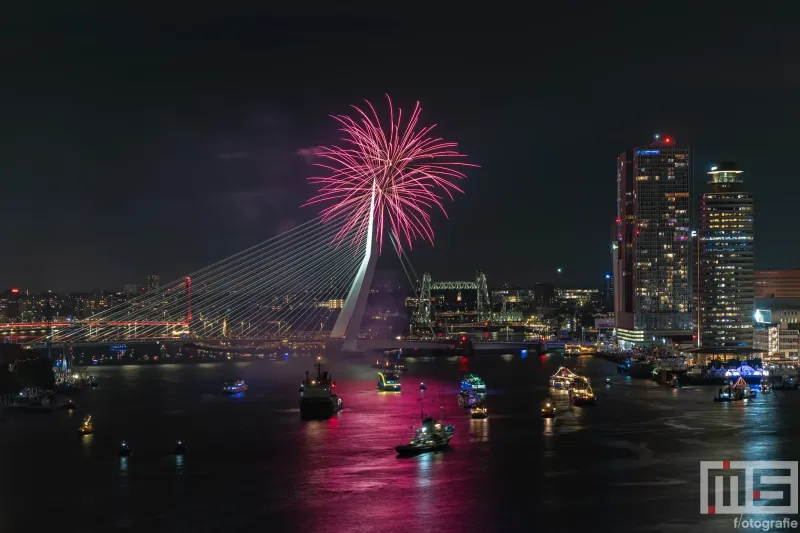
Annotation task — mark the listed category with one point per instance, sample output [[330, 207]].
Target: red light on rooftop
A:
[[14, 291]]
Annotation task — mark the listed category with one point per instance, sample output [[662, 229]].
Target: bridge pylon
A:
[[348, 323]]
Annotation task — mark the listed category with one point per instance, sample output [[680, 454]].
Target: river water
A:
[[629, 463]]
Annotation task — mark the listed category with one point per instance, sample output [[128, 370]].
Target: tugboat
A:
[[548, 408], [125, 449], [432, 436], [87, 427], [234, 386], [317, 399], [471, 382], [388, 381]]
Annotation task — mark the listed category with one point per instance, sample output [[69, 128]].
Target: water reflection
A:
[[424, 469], [507, 357], [549, 424], [86, 444], [179, 463], [123, 465], [479, 430]]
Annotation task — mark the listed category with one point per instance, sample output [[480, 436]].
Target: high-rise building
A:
[[153, 282], [652, 282], [726, 261], [543, 296], [608, 291], [776, 284]]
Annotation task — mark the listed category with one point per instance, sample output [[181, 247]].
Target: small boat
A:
[[548, 409], [581, 393], [472, 382], [432, 436], [478, 412], [125, 449], [87, 427], [234, 386], [70, 404], [317, 399], [180, 448], [388, 381], [736, 392], [608, 380]]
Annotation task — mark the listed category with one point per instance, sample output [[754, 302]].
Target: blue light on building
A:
[[648, 152]]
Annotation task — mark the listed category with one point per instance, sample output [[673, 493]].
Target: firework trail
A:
[[410, 172]]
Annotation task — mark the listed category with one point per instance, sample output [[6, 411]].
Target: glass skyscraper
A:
[[726, 261], [652, 296]]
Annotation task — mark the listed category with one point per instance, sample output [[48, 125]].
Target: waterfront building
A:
[[726, 261], [776, 284], [652, 270], [578, 297], [776, 329]]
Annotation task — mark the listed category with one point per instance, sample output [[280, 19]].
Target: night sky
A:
[[137, 145]]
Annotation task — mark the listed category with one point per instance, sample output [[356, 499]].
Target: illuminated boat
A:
[[581, 392], [471, 382], [234, 386], [317, 399], [562, 378], [87, 427], [467, 399], [432, 436], [548, 408], [478, 411], [736, 392], [388, 381]]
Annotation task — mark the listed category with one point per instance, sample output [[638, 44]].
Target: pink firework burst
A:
[[409, 171]]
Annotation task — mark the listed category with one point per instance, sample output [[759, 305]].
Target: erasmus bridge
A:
[[311, 283]]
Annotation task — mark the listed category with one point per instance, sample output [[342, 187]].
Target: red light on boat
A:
[[667, 140]]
